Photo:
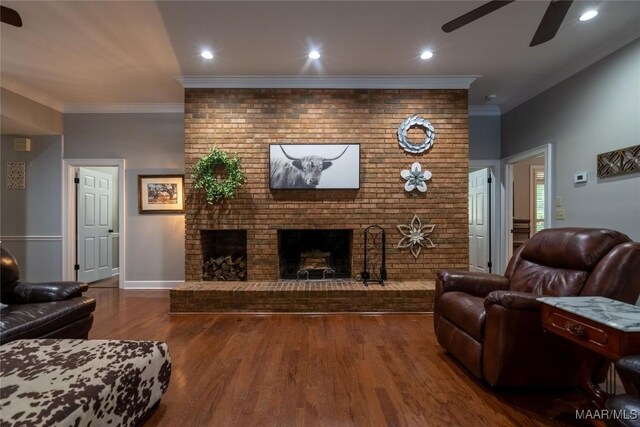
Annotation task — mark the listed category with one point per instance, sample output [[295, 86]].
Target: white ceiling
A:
[[92, 55]]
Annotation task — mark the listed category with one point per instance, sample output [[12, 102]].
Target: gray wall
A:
[[595, 111], [484, 137], [150, 144], [31, 221]]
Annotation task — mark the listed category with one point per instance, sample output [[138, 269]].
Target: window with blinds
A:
[[537, 196]]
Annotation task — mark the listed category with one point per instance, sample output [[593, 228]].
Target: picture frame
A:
[[314, 166], [160, 194]]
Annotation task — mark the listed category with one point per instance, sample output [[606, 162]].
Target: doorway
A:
[[527, 207], [480, 220], [97, 224], [487, 258], [94, 223]]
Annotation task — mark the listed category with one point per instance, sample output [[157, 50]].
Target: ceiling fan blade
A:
[[551, 21], [10, 16], [476, 13]]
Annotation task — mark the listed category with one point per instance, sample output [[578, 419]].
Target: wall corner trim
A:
[[328, 82], [152, 284]]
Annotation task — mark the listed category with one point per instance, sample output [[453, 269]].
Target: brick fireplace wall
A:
[[245, 121]]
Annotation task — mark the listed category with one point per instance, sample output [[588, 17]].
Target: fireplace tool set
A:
[[375, 269]]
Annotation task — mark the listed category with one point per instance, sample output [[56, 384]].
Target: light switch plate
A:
[[560, 213], [558, 201]]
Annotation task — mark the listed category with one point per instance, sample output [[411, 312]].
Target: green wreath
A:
[[205, 175]]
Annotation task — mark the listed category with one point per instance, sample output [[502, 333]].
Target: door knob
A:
[[110, 231]]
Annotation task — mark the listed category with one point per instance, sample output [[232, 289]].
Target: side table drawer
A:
[[579, 330]]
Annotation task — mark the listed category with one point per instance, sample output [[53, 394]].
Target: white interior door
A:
[[479, 221], [94, 225]]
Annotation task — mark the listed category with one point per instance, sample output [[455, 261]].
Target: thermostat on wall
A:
[[580, 177]]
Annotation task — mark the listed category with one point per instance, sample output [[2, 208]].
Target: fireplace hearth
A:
[[314, 254]]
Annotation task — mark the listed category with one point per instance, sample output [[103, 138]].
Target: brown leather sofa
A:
[[491, 324], [41, 310]]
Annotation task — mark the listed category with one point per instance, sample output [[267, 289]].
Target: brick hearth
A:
[[300, 296]]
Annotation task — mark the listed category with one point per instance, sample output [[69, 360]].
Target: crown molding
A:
[[621, 38], [31, 93], [328, 82], [126, 108], [484, 110]]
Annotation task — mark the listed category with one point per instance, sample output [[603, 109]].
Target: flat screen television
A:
[[314, 166]]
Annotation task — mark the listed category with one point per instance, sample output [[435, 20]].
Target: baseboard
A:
[[115, 271], [152, 284]]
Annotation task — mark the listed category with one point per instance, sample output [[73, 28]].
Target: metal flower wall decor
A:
[[416, 178], [416, 236]]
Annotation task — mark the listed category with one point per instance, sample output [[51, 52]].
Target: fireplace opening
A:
[[224, 255], [314, 254]]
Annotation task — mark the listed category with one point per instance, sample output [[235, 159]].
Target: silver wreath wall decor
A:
[[415, 236], [416, 178], [416, 122]]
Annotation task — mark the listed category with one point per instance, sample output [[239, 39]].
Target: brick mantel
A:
[[245, 121]]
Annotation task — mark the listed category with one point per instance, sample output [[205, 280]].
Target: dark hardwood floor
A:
[[111, 282], [309, 370]]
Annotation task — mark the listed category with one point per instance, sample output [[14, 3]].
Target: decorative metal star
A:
[[415, 236], [416, 178]]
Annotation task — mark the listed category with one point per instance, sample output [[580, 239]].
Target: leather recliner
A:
[[41, 310], [492, 325], [625, 408]]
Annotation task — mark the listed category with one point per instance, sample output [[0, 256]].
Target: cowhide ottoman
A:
[[69, 382]]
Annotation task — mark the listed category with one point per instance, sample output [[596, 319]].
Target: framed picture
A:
[[160, 194], [314, 166]]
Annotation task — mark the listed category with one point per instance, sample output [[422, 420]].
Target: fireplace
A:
[[244, 122], [224, 255], [314, 254]]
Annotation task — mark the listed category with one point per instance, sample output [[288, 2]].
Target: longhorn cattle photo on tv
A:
[[314, 166]]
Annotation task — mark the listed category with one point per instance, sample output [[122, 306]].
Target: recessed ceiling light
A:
[[589, 14], [314, 54], [206, 54], [426, 54]]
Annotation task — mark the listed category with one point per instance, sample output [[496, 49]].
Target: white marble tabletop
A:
[[616, 314]]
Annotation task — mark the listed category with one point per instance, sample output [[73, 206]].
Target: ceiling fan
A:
[[547, 29], [10, 16]]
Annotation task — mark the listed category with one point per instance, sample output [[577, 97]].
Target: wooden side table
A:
[[609, 329]]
